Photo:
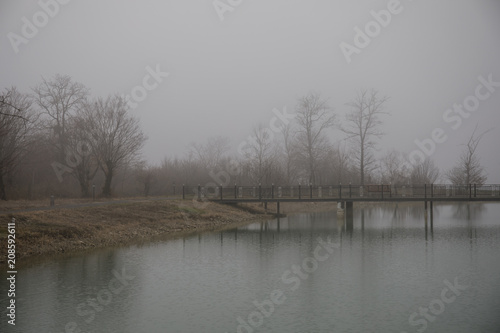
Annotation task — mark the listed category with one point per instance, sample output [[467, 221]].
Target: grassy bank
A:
[[62, 230]]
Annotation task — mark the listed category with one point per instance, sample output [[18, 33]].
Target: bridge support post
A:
[[235, 191], [278, 208], [349, 216]]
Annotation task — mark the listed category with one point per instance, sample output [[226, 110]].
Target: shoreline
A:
[[80, 229]]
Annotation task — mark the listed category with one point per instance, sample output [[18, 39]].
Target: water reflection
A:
[[384, 221], [465, 211], [392, 259]]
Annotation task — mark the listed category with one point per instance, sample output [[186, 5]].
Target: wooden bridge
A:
[[345, 193]]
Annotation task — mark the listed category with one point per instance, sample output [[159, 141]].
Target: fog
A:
[[230, 66]]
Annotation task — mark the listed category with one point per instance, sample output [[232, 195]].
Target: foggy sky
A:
[[227, 76]]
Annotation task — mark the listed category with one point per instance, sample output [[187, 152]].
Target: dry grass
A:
[[63, 230]]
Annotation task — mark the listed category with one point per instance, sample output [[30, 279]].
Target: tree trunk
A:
[[3, 195], [362, 168], [106, 191]]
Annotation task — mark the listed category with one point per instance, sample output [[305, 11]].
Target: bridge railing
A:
[[341, 192]]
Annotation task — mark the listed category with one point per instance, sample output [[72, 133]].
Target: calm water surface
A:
[[386, 271]]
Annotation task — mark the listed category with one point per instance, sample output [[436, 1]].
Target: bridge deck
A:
[[413, 199], [366, 193]]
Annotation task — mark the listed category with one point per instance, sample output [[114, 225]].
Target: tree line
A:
[[59, 140]]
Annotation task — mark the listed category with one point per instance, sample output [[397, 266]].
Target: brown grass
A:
[[62, 230]]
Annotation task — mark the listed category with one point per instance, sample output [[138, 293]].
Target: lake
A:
[[388, 269]]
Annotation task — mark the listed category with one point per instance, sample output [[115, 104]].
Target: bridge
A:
[[348, 194]]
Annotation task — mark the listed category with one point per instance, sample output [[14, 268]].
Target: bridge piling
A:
[[349, 216]]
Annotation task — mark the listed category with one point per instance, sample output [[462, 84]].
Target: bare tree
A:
[[363, 127], [146, 174], [6, 103], [425, 172], [16, 130], [58, 98], [468, 169], [260, 155], [314, 117], [395, 168], [115, 137], [80, 160], [212, 153], [342, 160], [289, 142]]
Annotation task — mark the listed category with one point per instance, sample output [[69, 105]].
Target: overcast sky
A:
[[225, 76]]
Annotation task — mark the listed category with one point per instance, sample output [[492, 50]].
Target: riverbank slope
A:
[[62, 230]]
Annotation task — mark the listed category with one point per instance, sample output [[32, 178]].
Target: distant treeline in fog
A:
[[59, 140]]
